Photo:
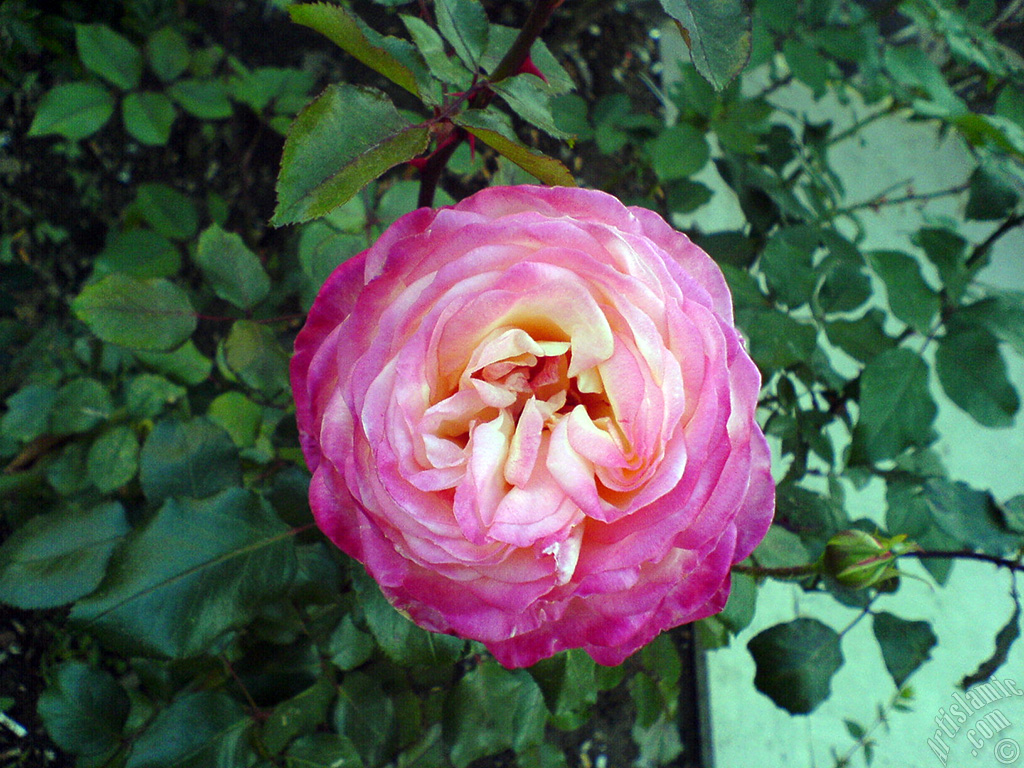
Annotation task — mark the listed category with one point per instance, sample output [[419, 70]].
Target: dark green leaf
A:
[[342, 141], [186, 364], [973, 375], [344, 29], [569, 687], [253, 353], [198, 730], [991, 195], [495, 133], [86, 710], [787, 264], [232, 270], [196, 570], [431, 46], [167, 210], [463, 24], [501, 38], [140, 253], [678, 152], [148, 117], [349, 646], [862, 339], [187, 458], [404, 642], [896, 406], [843, 287], [73, 110], [530, 100], [807, 65], [168, 54], [109, 55], [490, 710], [1005, 638], [366, 715], [717, 33], [969, 516], [28, 412], [947, 250], [322, 750], [140, 314], [56, 558], [905, 645], [81, 404], [207, 99], [299, 714], [795, 663], [776, 340], [912, 300], [1002, 313], [113, 458]]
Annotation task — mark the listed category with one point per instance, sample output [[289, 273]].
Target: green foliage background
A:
[[154, 496]]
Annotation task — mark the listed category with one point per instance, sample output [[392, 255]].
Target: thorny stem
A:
[[809, 569], [509, 65]]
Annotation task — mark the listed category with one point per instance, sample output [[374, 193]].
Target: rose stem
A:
[[508, 66]]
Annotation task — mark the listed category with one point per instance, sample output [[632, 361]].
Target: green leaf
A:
[[148, 116], [501, 38], [322, 750], [431, 46], [947, 250], [807, 65], [969, 516], [463, 24], [343, 140], [85, 711], [73, 110], [252, 352], [1005, 638], [167, 210], [787, 263], [973, 374], [168, 54], [344, 29], [366, 715], [186, 364], [81, 404], [239, 416], [528, 98], [349, 646], [197, 730], [497, 134], [56, 558], [113, 458], [28, 412], [140, 253], [795, 663], [861, 339], [896, 406], [195, 571], [151, 315], [905, 645], [299, 714], [109, 55], [991, 196], [205, 98], [490, 710], [404, 642], [187, 458], [1002, 313], [232, 270], [843, 288], [911, 299], [717, 33], [569, 686], [678, 152], [776, 340]]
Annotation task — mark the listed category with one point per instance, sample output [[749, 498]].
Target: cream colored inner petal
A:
[[529, 441]]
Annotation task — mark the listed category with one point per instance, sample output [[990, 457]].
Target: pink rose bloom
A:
[[530, 417]]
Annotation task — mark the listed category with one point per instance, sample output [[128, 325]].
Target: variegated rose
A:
[[531, 418]]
